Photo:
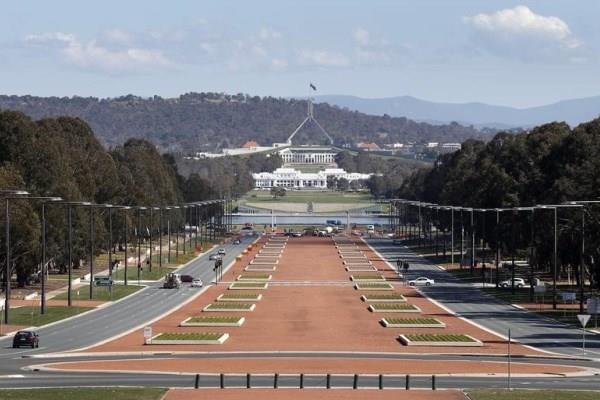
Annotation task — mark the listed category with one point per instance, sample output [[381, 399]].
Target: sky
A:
[[514, 53]]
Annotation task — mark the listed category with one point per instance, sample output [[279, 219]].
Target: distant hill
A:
[[208, 121], [573, 111]]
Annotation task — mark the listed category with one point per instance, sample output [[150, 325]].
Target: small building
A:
[[250, 144], [368, 147]]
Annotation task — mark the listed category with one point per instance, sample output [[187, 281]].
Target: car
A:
[[421, 281], [247, 228], [519, 283], [197, 282], [297, 234], [26, 338], [186, 278], [214, 256], [237, 241], [221, 252]]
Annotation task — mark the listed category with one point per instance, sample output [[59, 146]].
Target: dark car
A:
[[186, 278], [237, 241], [26, 338]]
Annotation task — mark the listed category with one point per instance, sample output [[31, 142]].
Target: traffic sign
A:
[[583, 319], [147, 332]]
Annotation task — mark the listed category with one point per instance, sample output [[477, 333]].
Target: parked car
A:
[[186, 278], [221, 252], [197, 282], [519, 283], [26, 338], [421, 281], [214, 256], [297, 234], [237, 241]]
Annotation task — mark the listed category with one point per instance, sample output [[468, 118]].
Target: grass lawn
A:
[[189, 336], [101, 293], [432, 337], [308, 196], [393, 306], [420, 321], [83, 394], [229, 306], [229, 320], [24, 316], [384, 297], [532, 395]]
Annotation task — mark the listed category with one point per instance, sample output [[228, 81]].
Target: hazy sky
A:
[[518, 53]]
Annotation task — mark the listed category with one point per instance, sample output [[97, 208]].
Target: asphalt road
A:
[[133, 311], [468, 301]]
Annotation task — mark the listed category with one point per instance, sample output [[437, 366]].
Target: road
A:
[[133, 311], [468, 301], [15, 370]]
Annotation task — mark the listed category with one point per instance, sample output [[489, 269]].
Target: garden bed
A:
[[394, 308], [190, 338], [367, 278], [384, 298], [229, 307], [264, 262], [260, 268], [373, 286], [213, 321], [240, 297], [392, 322], [254, 277], [360, 268], [432, 339], [248, 285]]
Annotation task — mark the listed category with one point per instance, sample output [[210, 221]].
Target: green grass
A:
[[229, 306], [374, 285], [23, 315], [393, 306], [412, 321], [132, 273], [228, 320], [248, 277], [248, 285], [235, 296], [384, 297], [308, 196], [359, 277], [532, 395], [101, 293], [189, 336], [83, 394], [433, 337]]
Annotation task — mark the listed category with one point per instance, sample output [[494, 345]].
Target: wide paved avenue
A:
[[470, 302], [122, 316]]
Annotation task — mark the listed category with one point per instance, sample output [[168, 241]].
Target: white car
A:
[[197, 282], [421, 281], [519, 283]]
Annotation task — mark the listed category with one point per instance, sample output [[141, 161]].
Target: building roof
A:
[[368, 146], [250, 144]]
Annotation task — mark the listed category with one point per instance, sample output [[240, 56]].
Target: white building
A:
[[308, 155], [292, 178]]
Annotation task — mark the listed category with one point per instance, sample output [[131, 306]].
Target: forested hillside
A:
[[208, 121]]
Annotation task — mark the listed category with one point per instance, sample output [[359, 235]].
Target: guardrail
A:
[[314, 381]]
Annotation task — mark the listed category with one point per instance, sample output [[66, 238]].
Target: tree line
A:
[[551, 164], [62, 157]]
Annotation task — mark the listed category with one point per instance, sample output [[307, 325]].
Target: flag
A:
[[313, 87]]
